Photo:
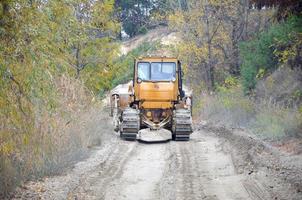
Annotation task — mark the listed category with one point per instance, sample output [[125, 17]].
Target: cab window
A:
[[143, 70], [157, 71]]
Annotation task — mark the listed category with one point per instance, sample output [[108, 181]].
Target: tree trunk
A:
[[246, 18], [209, 65], [78, 69], [235, 68]]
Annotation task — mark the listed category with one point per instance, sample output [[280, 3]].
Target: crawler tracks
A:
[[182, 125], [130, 124]]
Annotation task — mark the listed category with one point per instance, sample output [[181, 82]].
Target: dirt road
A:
[[198, 169]]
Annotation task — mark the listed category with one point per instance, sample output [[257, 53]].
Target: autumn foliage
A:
[[58, 57], [55, 56]]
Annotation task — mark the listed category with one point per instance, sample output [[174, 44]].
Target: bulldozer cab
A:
[[156, 71], [157, 82]]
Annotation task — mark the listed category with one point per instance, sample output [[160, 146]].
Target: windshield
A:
[[156, 71]]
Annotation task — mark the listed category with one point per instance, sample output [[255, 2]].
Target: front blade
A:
[[154, 136]]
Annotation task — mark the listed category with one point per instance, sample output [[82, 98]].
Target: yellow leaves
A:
[[206, 34], [260, 73], [284, 55], [60, 10], [6, 148], [157, 16], [231, 81], [3, 102], [230, 86], [176, 20], [26, 139], [37, 48], [103, 16], [215, 2]]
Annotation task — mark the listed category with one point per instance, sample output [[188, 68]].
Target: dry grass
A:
[[267, 119], [50, 138]]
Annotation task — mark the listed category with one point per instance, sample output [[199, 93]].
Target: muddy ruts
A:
[[182, 124], [130, 123]]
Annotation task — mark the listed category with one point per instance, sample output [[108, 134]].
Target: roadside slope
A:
[[162, 34]]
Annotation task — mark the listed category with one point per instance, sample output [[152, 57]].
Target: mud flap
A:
[[154, 136]]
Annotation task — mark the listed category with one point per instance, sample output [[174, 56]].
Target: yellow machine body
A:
[[156, 94], [155, 99]]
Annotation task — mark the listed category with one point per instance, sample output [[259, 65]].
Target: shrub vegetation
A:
[[263, 54]]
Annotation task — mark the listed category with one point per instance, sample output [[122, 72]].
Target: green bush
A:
[[261, 54]]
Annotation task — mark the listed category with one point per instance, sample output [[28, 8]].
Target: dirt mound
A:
[[151, 36], [162, 34]]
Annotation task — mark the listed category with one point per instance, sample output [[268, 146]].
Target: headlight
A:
[[173, 79], [139, 80]]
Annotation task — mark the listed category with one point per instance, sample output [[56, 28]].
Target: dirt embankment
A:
[[272, 167], [162, 35]]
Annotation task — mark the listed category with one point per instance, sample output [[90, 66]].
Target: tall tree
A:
[[43, 42], [137, 16], [203, 35]]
